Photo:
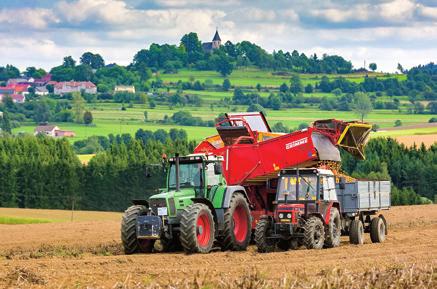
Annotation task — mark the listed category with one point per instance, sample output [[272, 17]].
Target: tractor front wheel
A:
[[237, 224], [197, 230], [262, 233], [131, 243], [314, 233], [333, 231]]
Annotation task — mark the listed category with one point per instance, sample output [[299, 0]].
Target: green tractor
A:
[[196, 211]]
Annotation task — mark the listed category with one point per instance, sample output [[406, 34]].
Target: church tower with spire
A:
[[214, 44], [216, 41]]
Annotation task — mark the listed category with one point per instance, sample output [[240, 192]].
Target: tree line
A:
[[41, 172]]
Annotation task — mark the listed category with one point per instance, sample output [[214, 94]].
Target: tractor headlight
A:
[[289, 216], [281, 216]]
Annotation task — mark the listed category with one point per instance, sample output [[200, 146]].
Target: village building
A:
[[124, 88], [53, 131], [210, 46], [41, 90], [75, 86]]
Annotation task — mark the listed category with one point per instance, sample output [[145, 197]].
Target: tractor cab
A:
[[302, 192], [189, 177]]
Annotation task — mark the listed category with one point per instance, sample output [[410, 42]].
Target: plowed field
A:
[[89, 255]]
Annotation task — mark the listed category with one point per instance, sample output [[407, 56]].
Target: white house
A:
[[75, 86]]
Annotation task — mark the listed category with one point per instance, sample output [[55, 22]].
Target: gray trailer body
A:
[[361, 196]]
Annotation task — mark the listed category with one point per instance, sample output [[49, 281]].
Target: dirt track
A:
[[73, 255]]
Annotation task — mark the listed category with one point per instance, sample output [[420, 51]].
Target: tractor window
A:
[[307, 188], [190, 175], [211, 178]]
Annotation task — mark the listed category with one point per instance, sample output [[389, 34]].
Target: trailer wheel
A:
[[131, 243], [237, 224], [333, 230], [197, 229], [262, 231], [356, 232], [314, 233], [377, 230]]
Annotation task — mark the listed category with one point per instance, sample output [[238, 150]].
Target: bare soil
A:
[[409, 140], [89, 254]]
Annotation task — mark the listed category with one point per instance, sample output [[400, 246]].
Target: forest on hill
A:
[[41, 172]]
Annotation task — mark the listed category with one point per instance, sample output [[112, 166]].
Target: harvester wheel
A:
[[262, 232], [377, 230], [197, 229], [237, 224], [356, 232], [314, 233], [131, 243], [333, 230]]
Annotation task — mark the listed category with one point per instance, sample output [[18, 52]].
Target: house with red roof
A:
[[17, 91], [75, 86], [53, 131]]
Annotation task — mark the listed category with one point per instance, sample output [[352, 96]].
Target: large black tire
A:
[[197, 230], [237, 224], [377, 230], [262, 231], [333, 230], [129, 239], [314, 233], [356, 232]]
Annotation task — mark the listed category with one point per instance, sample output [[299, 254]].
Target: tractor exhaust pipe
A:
[[177, 172]]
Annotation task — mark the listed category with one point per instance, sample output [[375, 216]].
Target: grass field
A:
[[54, 215], [251, 77], [17, 221]]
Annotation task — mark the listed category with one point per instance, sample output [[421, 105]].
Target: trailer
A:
[[314, 207]]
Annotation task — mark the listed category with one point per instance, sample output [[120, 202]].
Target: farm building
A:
[[53, 131], [124, 88], [75, 86]]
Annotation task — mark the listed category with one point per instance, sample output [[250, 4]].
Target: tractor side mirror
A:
[[342, 183], [218, 168]]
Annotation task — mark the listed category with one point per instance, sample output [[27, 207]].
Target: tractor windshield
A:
[[307, 188], [190, 175]]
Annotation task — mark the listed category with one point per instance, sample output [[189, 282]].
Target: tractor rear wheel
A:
[[314, 233], [333, 231], [237, 224], [377, 230], [356, 232], [131, 243], [263, 231], [197, 231]]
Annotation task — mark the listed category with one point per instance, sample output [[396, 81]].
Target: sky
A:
[[41, 32]]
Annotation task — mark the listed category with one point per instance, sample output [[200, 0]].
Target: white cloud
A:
[[397, 10], [25, 17], [428, 12]]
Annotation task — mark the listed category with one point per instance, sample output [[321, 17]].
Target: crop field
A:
[[87, 253]]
